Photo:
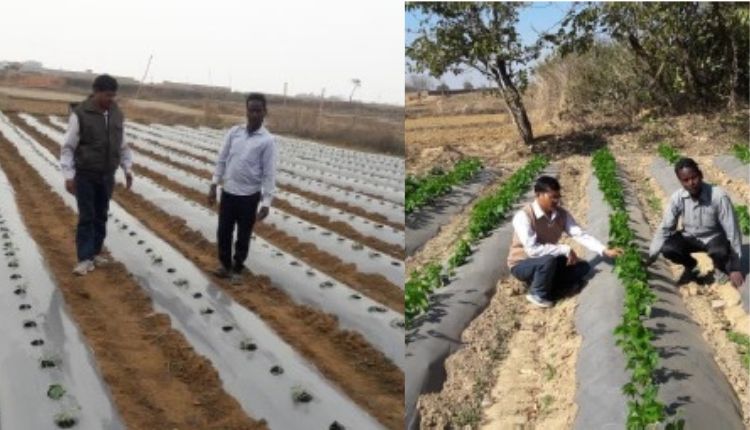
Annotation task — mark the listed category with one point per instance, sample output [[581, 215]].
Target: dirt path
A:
[[715, 323], [374, 286], [156, 379], [517, 367], [344, 357]]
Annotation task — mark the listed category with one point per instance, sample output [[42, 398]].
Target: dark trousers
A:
[[239, 210], [677, 248], [93, 192], [549, 277]]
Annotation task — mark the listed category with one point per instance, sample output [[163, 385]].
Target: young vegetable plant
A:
[[635, 339], [485, 216], [421, 191], [742, 152]]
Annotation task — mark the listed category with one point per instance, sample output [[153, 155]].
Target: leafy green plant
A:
[[421, 191], [743, 346], [635, 339], [487, 213], [742, 152], [668, 153], [743, 217]]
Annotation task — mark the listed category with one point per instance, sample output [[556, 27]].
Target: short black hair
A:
[[257, 97], [105, 83], [545, 184], [686, 163]]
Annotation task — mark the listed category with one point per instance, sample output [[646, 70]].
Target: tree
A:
[[694, 53], [443, 87], [420, 82], [482, 36], [356, 84], [468, 85]]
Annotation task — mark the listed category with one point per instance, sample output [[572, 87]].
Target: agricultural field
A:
[[631, 347], [313, 338]]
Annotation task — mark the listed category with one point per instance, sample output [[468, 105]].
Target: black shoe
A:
[[689, 275], [222, 272]]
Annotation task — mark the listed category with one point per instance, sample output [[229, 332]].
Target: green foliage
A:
[[421, 191], [743, 217], [463, 250], [743, 346], [690, 53], [742, 152], [668, 153], [631, 334], [487, 213]]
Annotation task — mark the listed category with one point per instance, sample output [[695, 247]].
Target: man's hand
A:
[[612, 252], [737, 279], [262, 213], [70, 185], [572, 258], [128, 180], [212, 195]]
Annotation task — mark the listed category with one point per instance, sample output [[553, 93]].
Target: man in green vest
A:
[[93, 149]]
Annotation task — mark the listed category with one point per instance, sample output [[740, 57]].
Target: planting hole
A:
[[326, 284], [197, 295], [227, 328], [310, 273], [37, 342], [395, 263], [141, 242], [301, 396], [65, 421], [55, 391], [294, 263], [171, 270], [277, 370], [24, 307], [29, 324], [336, 426], [355, 297], [378, 309], [15, 276], [246, 345]]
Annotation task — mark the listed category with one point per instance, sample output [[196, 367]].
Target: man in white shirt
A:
[[93, 149], [536, 258], [246, 169]]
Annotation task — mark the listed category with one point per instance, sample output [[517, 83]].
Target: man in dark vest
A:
[[550, 269], [92, 151]]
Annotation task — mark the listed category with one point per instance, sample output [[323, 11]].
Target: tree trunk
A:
[[515, 105], [734, 76]]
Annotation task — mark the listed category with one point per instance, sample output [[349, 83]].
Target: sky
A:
[[534, 19], [248, 45]]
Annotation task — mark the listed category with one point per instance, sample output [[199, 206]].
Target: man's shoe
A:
[[100, 260], [538, 301], [689, 275], [83, 267], [222, 272]]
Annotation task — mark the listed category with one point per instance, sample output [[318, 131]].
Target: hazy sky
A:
[[255, 45]]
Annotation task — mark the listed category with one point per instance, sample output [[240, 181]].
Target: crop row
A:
[[421, 191], [486, 215], [635, 339]]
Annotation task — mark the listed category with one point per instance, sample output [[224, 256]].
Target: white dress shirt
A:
[[70, 143], [247, 163], [527, 236]]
